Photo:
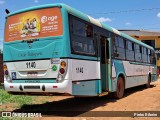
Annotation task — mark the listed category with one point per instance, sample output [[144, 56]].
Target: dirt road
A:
[[135, 99]]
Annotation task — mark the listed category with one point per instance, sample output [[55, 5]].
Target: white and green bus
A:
[[57, 49]]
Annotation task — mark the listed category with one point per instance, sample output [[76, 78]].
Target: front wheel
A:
[[120, 88]]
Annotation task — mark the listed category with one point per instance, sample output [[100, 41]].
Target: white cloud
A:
[[158, 15], [2, 2], [128, 24], [103, 19], [36, 1]]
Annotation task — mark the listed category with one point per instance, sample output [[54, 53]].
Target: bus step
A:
[[103, 94]]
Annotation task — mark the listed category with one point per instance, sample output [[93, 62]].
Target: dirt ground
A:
[[135, 99]]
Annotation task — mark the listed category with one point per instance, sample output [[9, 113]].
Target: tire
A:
[[148, 84], [120, 89]]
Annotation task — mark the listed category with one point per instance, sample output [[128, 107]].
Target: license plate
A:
[[32, 74]]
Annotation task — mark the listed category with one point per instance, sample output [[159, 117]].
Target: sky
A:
[[120, 14]]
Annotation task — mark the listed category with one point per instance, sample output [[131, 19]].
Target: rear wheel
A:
[[120, 88], [148, 84]]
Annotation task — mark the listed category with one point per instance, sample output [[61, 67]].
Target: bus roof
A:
[[84, 17]]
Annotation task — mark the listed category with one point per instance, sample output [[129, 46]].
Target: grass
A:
[[7, 118], [1, 86], [16, 118], [19, 100], [16, 101]]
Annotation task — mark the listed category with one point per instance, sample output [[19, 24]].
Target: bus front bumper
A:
[[64, 87]]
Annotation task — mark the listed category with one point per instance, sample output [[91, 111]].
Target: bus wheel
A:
[[120, 88], [147, 85]]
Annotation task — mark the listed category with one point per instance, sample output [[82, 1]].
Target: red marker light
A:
[[54, 86], [74, 82]]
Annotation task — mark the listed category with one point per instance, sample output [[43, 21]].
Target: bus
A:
[[57, 49]]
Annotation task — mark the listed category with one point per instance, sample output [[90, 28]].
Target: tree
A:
[[1, 52]]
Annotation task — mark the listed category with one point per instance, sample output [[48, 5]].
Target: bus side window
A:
[[82, 37], [119, 47], [77, 46], [149, 56], [89, 31], [116, 41], [78, 27], [129, 51], [138, 53], [115, 45], [144, 54]]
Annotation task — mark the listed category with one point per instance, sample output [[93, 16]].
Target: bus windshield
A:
[[34, 24]]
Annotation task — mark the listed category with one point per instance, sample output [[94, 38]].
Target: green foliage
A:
[[12, 102], [17, 99], [5, 118], [1, 52], [16, 118]]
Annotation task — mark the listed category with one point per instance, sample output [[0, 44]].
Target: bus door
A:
[[104, 62]]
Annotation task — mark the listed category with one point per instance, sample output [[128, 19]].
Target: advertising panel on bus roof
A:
[[34, 24]]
